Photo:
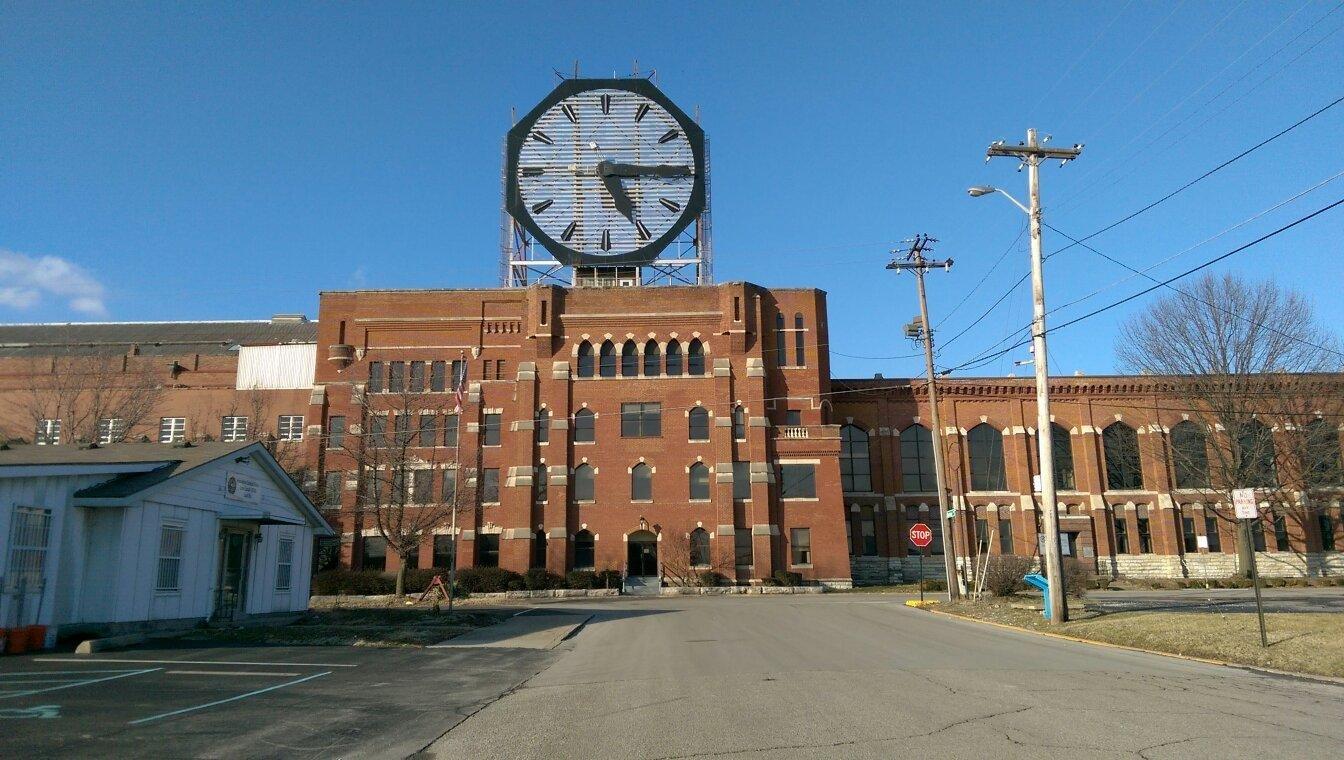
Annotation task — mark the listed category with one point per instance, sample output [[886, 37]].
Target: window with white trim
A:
[[170, 558], [232, 428], [290, 427], [29, 535], [111, 430], [172, 429], [48, 433], [800, 545], [284, 568]]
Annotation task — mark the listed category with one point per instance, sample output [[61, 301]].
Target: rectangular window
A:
[[172, 429], [539, 489], [742, 547], [332, 485], [401, 429], [170, 558], [741, 481], [111, 430], [1327, 532], [29, 536], [444, 552], [1188, 535], [378, 431], [284, 568], [490, 435], [490, 485], [375, 553], [1211, 533], [487, 550], [413, 558], [642, 420], [335, 432], [499, 370], [868, 535], [1258, 535], [459, 373], [1281, 534], [798, 481], [232, 428], [450, 430], [417, 384], [375, 377], [48, 432], [396, 377], [1145, 536], [793, 417], [438, 376], [543, 425], [1005, 536], [981, 534], [449, 490], [801, 545], [422, 483], [1121, 535], [428, 435], [290, 427]]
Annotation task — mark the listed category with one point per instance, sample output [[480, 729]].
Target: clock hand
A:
[[618, 195], [611, 169]]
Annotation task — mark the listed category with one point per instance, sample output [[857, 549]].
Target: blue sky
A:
[[196, 161]]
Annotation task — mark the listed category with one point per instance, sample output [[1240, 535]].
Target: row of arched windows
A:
[[697, 425], [584, 483], [585, 546], [629, 361]]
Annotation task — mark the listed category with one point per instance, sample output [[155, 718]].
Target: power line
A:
[[1079, 59], [972, 291]]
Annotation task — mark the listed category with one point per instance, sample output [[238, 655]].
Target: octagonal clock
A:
[[605, 172]]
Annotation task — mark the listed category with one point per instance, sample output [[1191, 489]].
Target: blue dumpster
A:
[[1038, 581]]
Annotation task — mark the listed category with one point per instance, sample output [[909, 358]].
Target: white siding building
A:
[[139, 535]]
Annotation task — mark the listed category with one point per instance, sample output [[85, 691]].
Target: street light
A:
[[979, 190]]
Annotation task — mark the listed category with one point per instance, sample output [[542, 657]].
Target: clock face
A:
[[605, 172]]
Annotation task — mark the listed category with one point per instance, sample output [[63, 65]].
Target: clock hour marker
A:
[[643, 231], [669, 136], [606, 104], [533, 171], [540, 136], [570, 112], [537, 208], [670, 204], [569, 231], [606, 240], [641, 111]]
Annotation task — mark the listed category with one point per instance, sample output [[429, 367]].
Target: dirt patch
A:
[[1298, 642], [355, 627]]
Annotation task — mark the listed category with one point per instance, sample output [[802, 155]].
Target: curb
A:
[[1329, 680]]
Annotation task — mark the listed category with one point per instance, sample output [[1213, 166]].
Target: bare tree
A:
[[403, 461], [255, 406], [684, 557], [93, 396], [1252, 371]]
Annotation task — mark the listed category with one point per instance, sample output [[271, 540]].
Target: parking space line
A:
[[268, 674], [217, 702], [84, 682], [201, 662]]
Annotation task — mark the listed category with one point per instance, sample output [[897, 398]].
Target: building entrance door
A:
[[642, 554], [231, 587]]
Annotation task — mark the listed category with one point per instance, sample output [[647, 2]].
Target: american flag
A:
[[461, 383]]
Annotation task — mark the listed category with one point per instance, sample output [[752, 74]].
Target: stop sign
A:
[[921, 535]]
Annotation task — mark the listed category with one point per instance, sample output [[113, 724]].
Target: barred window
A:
[[48, 433], [172, 429], [111, 430], [233, 428], [291, 427], [29, 536], [284, 568], [170, 558]]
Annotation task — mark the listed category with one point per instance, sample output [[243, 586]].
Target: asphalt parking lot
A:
[[249, 702]]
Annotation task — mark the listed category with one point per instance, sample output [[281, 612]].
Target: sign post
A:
[[1243, 501], [921, 536]]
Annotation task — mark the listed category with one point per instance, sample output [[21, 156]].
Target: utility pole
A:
[[914, 261], [1031, 154]]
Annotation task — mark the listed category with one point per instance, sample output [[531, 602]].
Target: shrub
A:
[[541, 579], [930, 584], [609, 579], [1077, 577], [488, 580], [1237, 582], [710, 578], [1003, 574], [786, 578], [360, 582], [581, 579], [770, 581]]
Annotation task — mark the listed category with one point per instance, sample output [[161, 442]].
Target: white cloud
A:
[[27, 281]]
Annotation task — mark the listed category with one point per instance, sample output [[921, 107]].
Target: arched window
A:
[[583, 482], [673, 358], [585, 359], [699, 481], [695, 357], [799, 357], [1255, 449], [1190, 455], [641, 482], [855, 466], [697, 423], [1061, 449], [653, 359], [584, 427], [543, 425], [583, 549], [917, 473], [699, 548], [986, 444], [739, 423], [781, 347], [607, 360], [629, 359], [1123, 465], [1321, 449]]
